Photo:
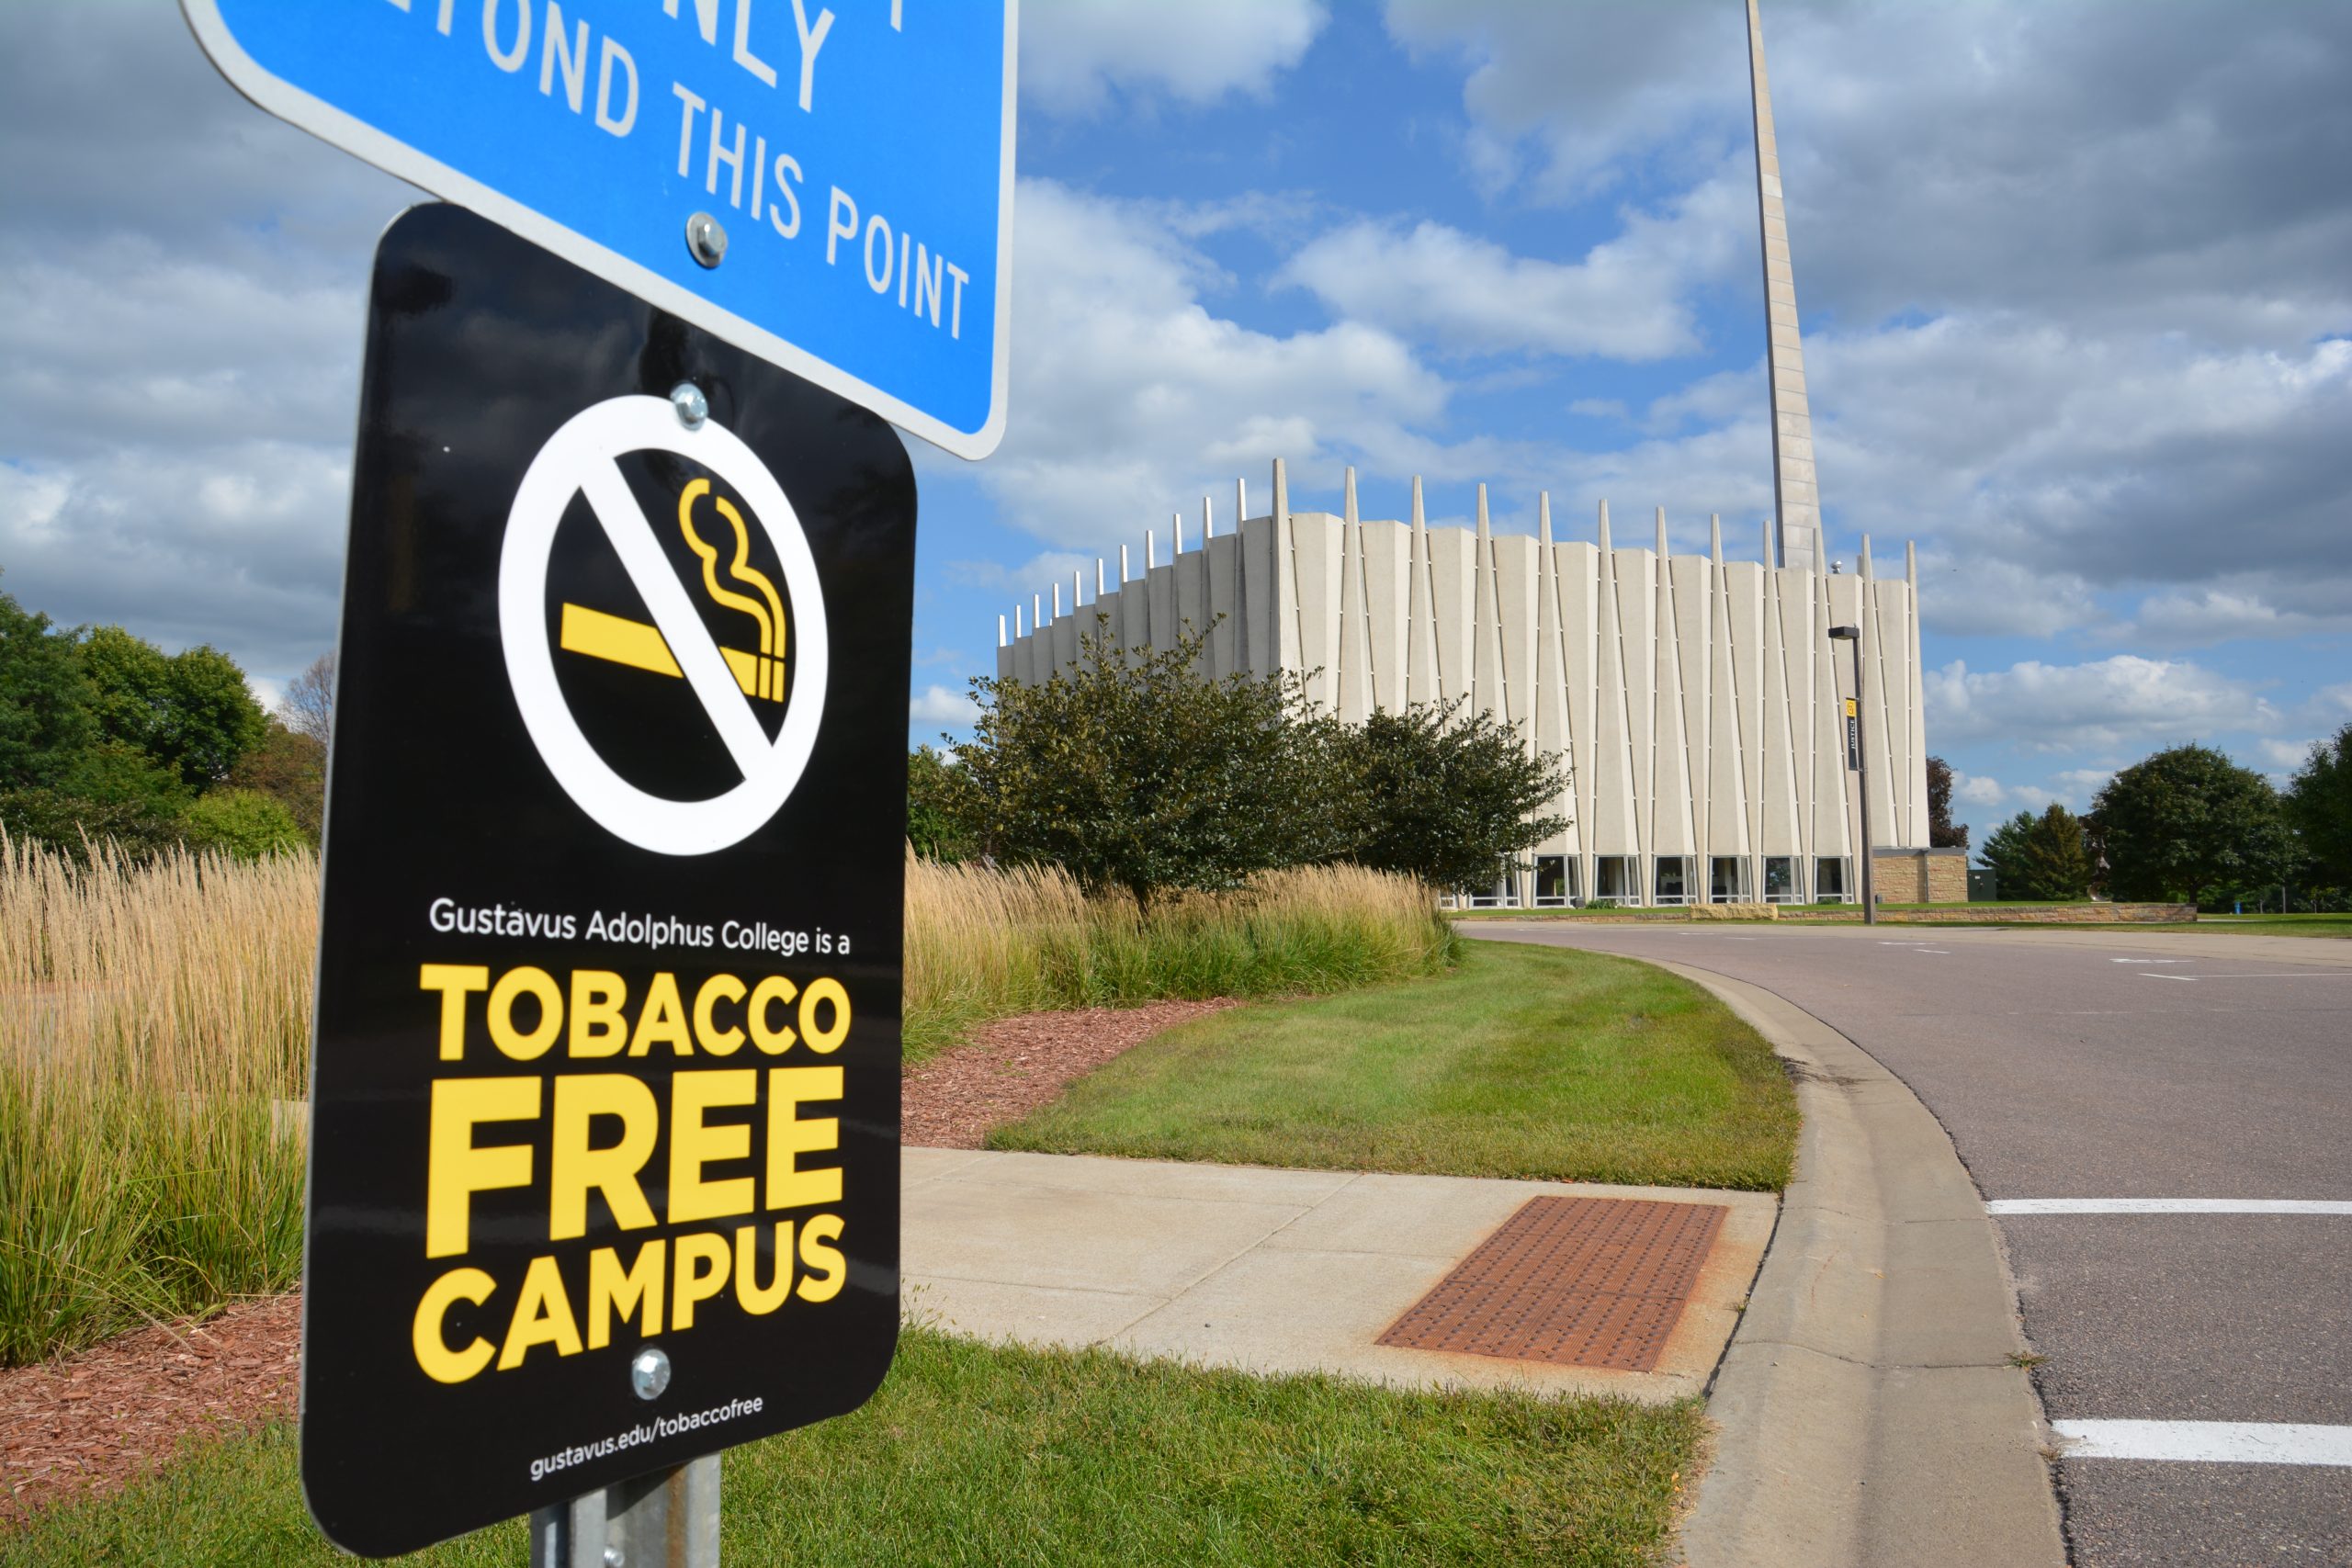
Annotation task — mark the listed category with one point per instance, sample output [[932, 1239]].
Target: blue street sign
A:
[[825, 182]]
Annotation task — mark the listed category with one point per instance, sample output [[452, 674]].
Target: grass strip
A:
[[1523, 1062], [983, 1455]]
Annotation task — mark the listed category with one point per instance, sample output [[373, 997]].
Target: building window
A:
[[1727, 879], [1555, 880], [1829, 880], [1674, 878], [1500, 894], [1612, 878], [1781, 880]]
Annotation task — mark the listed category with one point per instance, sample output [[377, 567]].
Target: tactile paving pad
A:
[[1578, 1281]]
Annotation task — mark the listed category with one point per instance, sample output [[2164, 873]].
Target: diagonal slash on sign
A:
[[681, 627], [580, 459]]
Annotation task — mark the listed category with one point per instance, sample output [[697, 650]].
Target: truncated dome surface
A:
[[1578, 1281]]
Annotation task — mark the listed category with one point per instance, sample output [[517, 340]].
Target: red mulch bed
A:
[[1012, 1067], [110, 1414], [117, 1411]]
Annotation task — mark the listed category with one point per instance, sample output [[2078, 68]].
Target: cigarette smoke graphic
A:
[[767, 609]]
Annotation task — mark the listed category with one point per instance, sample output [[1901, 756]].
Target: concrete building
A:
[[1696, 699]]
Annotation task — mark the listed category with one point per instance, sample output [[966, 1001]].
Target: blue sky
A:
[[2076, 281]]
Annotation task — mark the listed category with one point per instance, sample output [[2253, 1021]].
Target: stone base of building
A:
[[1920, 876]]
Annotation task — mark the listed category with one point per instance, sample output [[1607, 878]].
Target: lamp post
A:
[[1856, 760]]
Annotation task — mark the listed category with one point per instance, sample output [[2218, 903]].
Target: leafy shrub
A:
[[244, 823]]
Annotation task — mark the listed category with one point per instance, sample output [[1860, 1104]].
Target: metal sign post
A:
[[604, 1088], [827, 186], [668, 1519], [1855, 763]]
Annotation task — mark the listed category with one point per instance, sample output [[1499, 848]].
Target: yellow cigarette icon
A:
[[621, 640]]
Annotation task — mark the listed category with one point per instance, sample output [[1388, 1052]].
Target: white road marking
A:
[[2299, 975], [2167, 1207], [2207, 1442], [2147, 960]]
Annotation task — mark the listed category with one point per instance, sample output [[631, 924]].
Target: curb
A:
[[1868, 1408]]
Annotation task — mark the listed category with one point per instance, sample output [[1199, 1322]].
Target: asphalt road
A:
[[2095, 1065]]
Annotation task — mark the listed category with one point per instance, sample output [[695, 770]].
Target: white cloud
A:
[[937, 705], [1626, 298], [1130, 396], [1076, 53], [2122, 701], [2195, 618]]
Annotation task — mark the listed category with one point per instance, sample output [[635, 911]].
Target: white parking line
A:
[[2167, 1207], [2207, 1442], [2299, 975], [2147, 960]]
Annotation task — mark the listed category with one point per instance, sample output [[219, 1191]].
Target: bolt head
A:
[[706, 239], [614, 1557], [648, 1374], [692, 406]]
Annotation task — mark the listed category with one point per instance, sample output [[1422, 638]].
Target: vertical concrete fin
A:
[[1016, 623], [1715, 539], [1176, 531], [1550, 734], [1355, 619], [1487, 689], [1208, 522], [1122, 566], [1422, 683], [1102, 576], [1604, 527], [1911, 563], [1150, 549], [1289, 639], [1661, 538], [1241, 500], [1001, 640], [1796, 500], [1866, 557]]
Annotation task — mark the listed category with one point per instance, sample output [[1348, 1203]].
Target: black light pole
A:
[[1854, 759]]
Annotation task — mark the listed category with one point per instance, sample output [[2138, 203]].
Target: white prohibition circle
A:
[[581, 458]]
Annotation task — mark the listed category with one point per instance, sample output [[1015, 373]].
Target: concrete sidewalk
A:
[[1265, 1270]]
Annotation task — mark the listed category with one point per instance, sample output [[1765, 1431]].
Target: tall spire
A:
[[1797, 502]]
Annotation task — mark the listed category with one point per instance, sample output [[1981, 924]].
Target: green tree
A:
[[45, 700], [190, 710], [242, 822], [2002, 854], [1445, 798], [1132, 771], [292, 769], [2319, 805], [2188, 823], [1943, 833], [932, 826], [2044, 857]]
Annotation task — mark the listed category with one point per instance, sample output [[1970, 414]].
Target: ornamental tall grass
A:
[[155, 1026], [983, 943]]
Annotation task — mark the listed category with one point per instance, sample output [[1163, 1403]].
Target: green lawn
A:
[[1524, 1062], [978, 1455]]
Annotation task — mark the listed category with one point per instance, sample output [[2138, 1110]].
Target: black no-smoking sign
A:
[[604, 1130]]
